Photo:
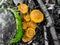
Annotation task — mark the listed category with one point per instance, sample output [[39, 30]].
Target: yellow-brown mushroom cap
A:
[[23, 8], [27, 18], [26, 39], [31, 25], [30, 32], [24, 25], [36, 16]]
